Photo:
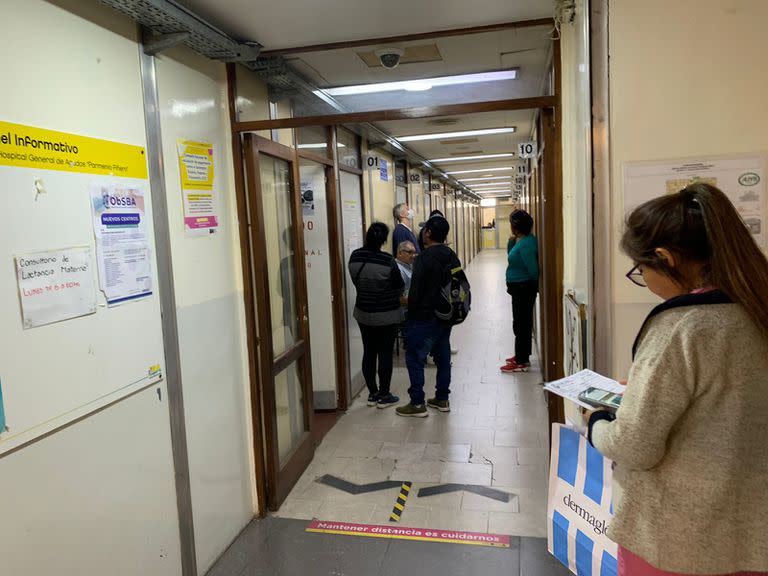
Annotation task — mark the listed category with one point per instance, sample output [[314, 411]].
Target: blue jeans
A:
[[421, 337]]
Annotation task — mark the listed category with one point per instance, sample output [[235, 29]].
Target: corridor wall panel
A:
[[692, 76], [210, 310], [97, 496]]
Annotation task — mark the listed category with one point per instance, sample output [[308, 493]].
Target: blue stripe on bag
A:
[[560, 537], [568, 458], [584, 547], [608, 565], [593, 485]]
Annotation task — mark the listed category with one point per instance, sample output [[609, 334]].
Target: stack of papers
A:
[[571, 386]]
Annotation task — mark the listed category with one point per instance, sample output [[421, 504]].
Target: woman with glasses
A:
[[690, 440]]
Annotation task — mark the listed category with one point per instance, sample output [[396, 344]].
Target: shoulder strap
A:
[[357, 276]]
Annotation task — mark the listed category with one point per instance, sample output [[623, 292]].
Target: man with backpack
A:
[[439, 298]]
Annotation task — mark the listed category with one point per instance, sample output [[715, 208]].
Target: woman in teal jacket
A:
[[522, 285]]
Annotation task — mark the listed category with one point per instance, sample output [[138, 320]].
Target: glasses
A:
[[408, 251], [636, 276]]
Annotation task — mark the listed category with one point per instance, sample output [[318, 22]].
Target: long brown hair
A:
[[699, 224]]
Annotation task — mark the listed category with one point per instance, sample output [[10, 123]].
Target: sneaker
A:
[[373, 399], [510, 360], [387, 401], [454, 351], [442, 405], [515, 367], [412, 410]]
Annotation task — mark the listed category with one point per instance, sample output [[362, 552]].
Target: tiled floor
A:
[[280, 547], [495, 435]]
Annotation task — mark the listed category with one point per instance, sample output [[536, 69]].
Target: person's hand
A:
[[403, 300]]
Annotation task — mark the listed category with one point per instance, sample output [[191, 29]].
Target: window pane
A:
[[281, 271], [289, 402]]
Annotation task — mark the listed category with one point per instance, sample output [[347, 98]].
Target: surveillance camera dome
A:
[[390, 57]]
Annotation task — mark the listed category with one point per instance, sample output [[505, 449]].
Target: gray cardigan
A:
[[690, 443]]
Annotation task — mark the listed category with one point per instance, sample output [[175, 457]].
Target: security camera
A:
[[390, 57]]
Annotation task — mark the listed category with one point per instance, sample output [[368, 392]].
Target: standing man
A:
[[424, 332], [402, 232], [406, 254]]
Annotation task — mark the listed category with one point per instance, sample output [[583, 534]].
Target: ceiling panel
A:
[[306, 22]]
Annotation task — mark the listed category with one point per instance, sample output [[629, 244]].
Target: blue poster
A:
[[383, 170]]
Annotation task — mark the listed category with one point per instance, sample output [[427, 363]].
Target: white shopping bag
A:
[[580, 505]]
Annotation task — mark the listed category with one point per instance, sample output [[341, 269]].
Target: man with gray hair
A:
[[402, 232]]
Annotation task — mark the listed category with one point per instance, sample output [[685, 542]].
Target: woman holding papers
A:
[[690, 440]]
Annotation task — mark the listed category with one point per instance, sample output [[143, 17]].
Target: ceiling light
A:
[[486, 178], [318, 145], [477, 157], [505, 191], [488, 202], [461, 134], [420, 84], [482, 170]]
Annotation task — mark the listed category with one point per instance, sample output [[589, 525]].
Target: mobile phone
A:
[[601, 398]]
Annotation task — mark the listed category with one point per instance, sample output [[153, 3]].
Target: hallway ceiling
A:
[[306, 22], [297, 23]]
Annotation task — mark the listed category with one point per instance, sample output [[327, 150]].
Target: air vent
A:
[[412, 55], [458, 141], [443, 121]]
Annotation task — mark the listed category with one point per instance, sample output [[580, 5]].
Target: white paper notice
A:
[[122, 247], [742, 178], [571, 386], [56, 285]]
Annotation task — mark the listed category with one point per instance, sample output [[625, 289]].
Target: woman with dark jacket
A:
[[379, 286]]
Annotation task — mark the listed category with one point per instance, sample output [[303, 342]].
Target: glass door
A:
[[278, 249]]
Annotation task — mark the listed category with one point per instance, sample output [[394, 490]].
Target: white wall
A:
[[192, 93], [97, 497], [686, 79], [577, 146]]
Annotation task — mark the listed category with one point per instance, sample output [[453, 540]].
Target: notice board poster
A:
[[741, 178], [196, 169], [56, 285], [122, 244]]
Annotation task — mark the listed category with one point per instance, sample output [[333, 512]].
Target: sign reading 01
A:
[[30, 147]]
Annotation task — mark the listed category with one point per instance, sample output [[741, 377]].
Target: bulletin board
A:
[[73, 204], [741, 178]]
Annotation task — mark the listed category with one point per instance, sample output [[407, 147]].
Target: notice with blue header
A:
[[122, 245]]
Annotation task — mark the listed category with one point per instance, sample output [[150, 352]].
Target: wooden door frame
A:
[[271, 365]]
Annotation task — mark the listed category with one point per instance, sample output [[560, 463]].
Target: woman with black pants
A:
[[377, 310], [522, 285]]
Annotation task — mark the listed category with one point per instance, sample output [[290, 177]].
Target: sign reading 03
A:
[[30, 147]]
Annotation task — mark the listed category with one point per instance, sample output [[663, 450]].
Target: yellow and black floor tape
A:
[[397, 511]]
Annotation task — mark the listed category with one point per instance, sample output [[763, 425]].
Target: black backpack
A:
[[455, 296]]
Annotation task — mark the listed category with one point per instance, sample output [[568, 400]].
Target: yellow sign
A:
[[199, 197], [196, 164], [30, 147]]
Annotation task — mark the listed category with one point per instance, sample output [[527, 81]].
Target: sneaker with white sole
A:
[[516, 366], [387, 401], [441, 405], [373, 399], [412, 411]]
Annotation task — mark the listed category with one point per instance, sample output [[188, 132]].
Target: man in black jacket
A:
[[424, 332]]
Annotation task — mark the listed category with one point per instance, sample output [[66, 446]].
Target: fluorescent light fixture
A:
[[490, 184], [478, 157], [488, 202], [486, 178], [505, 191], [317, 145], [481, 170], [461, 134], [421, 84]]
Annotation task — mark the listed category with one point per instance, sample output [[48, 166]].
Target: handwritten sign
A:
[[56, 285]]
